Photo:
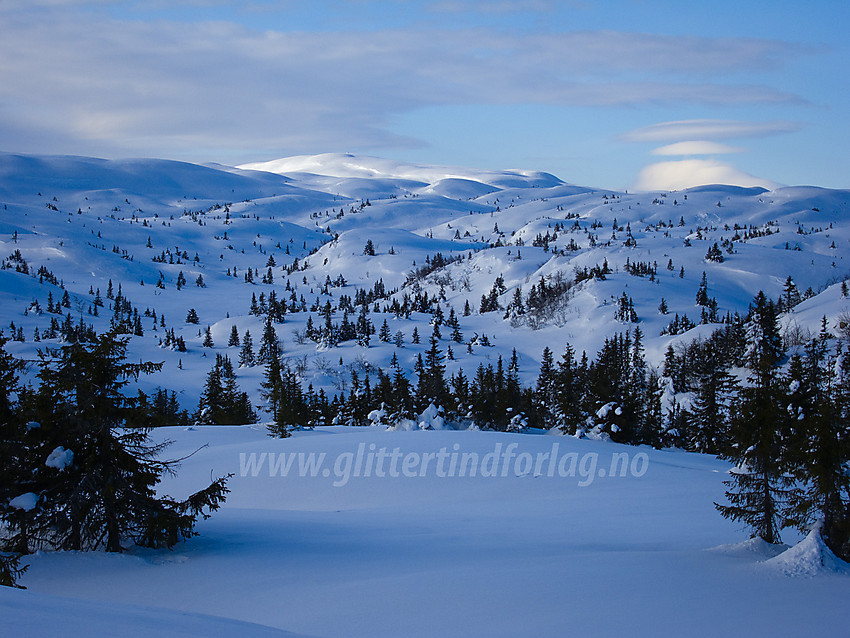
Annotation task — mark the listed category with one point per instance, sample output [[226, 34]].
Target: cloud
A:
[[191, 89], [707, 130], [696, 147], [680, 174]]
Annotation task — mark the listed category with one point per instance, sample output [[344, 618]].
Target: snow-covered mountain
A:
[[141, 223]]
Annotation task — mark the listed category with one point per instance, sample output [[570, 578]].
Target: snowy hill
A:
[[141, 223]]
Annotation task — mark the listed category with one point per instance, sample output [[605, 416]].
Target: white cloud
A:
[[696, 147], [191, 89], [680, 174], [707, 129]]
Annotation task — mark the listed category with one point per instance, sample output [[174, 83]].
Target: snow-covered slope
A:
[[141, 223]]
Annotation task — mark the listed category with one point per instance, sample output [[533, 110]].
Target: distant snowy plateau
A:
[[530, 553]]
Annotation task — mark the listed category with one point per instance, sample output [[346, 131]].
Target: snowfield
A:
[[343, 531], [527, 555]]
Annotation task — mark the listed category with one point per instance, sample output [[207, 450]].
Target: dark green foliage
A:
[[269, 345], [714, 254], [11, 569], [708, 419], [432, 387], [86, 457], [818, 449], [246, 352], [222, 403], [287, 402], [760, 485]]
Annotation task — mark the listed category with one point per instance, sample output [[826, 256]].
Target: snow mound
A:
[[26, 613], [808, 558], [757, 548]]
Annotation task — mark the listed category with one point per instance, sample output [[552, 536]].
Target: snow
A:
[[25, 613], [524, 554], [26, 502], [808, 558], [60, 458]]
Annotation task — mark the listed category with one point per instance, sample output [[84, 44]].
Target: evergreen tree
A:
[[89, 460], [760, 486], [246, 353], [570, 393], [709, 416], [208, 339], [432, 386], [790, 295], [819, 445], [384, 333], [702, 292], [234, 337], [13, 466], [269, 346], [546, 390], [222, 403], [283, 390]]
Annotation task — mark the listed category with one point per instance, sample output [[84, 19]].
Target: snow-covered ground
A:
[[429, 553], [530, 553]]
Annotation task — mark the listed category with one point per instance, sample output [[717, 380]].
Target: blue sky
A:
[[617, 94]]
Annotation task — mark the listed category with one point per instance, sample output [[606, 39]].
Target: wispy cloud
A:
[[707, 130], [697, 147], [222, 88]]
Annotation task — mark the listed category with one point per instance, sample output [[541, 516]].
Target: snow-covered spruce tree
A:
[[617, 389], [818, 381], [545, 395], [760, 485], [89, 465], [246, 352]]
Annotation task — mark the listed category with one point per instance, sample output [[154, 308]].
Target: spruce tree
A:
[[222, 403], [13, 467], [570, 391], [90, 462], [760, 486], [246, 353], [819, 445], [270, 345], [432, 386], [707, 429]]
